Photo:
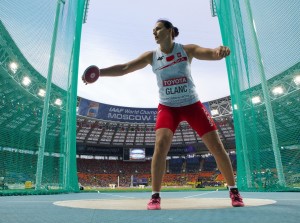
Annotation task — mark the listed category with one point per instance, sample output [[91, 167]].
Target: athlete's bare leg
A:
[[215, 146], [158, 166]]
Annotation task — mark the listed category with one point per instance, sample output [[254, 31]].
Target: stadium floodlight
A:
[[13, 67], [58, 102], [214, 112], [297, 80], [256, 100], [277, 90], [42, 93], [26, 81]]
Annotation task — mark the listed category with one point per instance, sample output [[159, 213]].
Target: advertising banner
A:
[[116, 113]]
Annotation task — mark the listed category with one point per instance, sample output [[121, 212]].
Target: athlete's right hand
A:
[[91, 74]]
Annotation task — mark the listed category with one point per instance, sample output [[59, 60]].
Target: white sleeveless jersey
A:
[[174, 80]]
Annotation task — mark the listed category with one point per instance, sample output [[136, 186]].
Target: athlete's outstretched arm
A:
[[201, 53], [121, 69]]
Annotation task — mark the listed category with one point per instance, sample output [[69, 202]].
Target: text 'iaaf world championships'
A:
[[132, 115]]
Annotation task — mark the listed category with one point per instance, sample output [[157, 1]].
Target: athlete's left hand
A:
[[222, 51]]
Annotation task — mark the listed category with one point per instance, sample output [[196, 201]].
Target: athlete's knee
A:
[[219, 153], [162, 144], [218, 150], [163, 138], [215, 147]]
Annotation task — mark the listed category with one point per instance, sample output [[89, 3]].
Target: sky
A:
[[119, 31]]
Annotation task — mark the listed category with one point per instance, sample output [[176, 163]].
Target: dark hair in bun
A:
[[169, 25], [176, 32]]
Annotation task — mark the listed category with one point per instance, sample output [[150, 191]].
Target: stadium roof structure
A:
[[92, 132], [21, 96]]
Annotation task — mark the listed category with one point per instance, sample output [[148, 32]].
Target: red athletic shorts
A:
[[195, 114]]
